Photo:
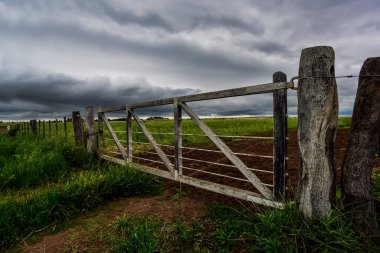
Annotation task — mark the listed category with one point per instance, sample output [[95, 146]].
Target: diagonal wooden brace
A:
[[256, 182], [114, 136], [154, 144]]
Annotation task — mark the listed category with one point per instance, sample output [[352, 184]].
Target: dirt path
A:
[[177, 202]]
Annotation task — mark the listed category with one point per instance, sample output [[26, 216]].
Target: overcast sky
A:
[[58, 56]]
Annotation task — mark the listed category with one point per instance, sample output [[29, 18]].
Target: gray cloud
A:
[[130, 50]]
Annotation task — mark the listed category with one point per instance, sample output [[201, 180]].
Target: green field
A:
[[47, 181]]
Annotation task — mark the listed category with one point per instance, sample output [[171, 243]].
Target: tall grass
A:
[[47, 205], [26, 161]]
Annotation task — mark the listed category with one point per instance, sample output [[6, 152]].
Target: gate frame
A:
[[174, 171]]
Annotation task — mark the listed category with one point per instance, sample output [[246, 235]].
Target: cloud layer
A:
[[57, 56]]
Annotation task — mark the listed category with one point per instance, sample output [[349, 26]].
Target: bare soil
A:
[[186, 202]]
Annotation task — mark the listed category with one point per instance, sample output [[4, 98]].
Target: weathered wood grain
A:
[[177, 137], [317, 122], [280, 127]]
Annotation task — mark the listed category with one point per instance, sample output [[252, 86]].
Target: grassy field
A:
[[45, 181]]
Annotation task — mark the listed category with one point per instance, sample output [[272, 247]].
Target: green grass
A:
[[37, 208], [45, 181], [28, 162], [225, 229]]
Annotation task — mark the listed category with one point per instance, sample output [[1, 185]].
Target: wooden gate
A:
[[172, 165]]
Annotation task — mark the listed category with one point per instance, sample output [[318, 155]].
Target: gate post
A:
[[360, 150], [280, 127], [89, 128], [129, 134], [317, 122], [177, 139], [100, 129], [78, 130]]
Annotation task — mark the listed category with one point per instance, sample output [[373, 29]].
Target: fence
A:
[[171, 157]]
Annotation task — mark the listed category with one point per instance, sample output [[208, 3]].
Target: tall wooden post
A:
[[27, 126], [129, 135], [100, 137], [39, 128], [177, 139], [89, 126], [77, 126], [280, 128], [65, 127], [317, 123], [361, 149], [33, 126]]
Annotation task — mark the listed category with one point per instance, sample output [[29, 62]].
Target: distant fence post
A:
[[100, 136], [280, 128], [43, 129], [89, 129], [33, 126], [78, 129], [39, 127], [65, 127], [317, 122], [49, 128], [361, 149], [56, 127], [27, 126]]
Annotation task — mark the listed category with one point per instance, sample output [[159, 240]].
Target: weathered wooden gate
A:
[[174, 170]]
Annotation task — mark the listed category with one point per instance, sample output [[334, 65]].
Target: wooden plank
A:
[[280, 128], [243, 91], [154, 171], [177, 138], [230, 191], [149, 136], [114, 136], [100, 137], [228, 153], [113, 159], [129, 136]]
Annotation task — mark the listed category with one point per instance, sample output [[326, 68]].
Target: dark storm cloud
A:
[[184, 45], [52, 94]]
